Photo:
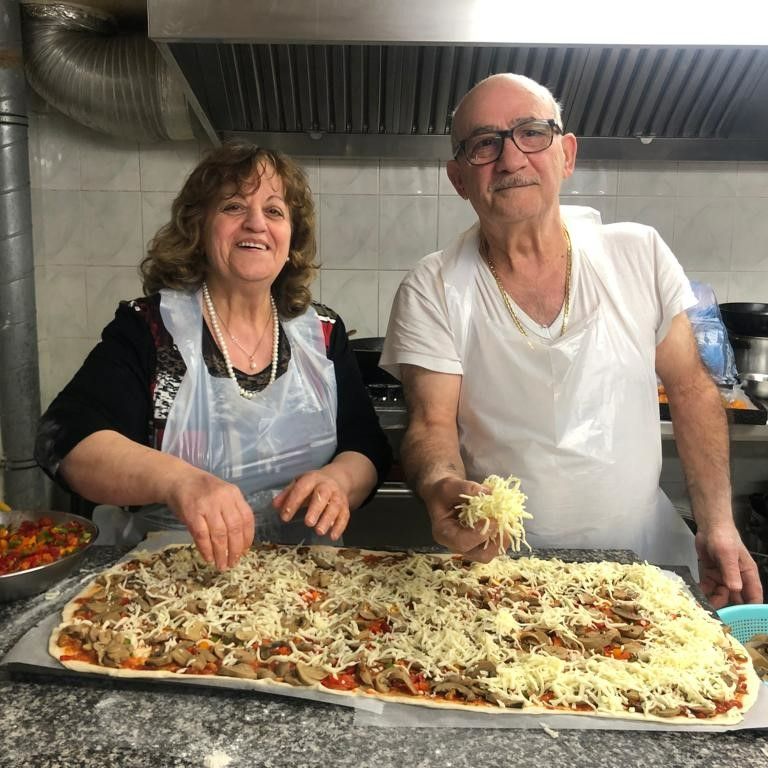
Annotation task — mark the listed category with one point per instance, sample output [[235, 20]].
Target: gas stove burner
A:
[[386, 395]]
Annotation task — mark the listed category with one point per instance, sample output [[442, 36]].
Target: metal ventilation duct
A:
[[117, 84], [345, 77]]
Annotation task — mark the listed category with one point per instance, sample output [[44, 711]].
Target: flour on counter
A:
[[217, 759], [549, 731]]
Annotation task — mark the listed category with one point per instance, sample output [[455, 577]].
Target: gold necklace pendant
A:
[[485, 252]]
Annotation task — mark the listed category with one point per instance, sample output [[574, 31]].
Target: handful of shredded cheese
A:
[[504, 505]]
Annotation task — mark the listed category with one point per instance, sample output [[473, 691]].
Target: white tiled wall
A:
[[96, 202]]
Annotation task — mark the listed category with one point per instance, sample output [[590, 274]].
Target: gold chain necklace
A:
[[249, 355], [485, 252]]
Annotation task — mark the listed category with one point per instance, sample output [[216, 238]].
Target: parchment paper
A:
[[30, 654]]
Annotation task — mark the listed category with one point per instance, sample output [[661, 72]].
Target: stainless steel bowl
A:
[[14, 586], [755, 384]]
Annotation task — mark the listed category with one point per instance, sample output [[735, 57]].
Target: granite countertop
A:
[[68, 722]]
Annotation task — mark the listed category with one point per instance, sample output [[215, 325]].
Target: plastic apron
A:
[[577, 421], [261, 444]]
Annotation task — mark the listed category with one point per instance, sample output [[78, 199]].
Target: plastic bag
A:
[[711, 336]]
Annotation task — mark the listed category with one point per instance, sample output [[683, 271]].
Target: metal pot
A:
[[745, 318], [755, 384], [750, 352]]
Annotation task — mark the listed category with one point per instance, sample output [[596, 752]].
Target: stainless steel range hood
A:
[[380, 79]]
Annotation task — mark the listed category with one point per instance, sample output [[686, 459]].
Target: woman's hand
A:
[[326, 502], [216, 514]]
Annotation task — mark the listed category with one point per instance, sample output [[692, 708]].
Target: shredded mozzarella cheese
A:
[[504, 505]]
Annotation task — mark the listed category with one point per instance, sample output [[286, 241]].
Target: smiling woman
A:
[[252, 396]]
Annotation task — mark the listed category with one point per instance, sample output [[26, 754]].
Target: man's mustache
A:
[[509, 182]]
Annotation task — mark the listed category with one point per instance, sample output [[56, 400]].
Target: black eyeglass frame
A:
[[509, 134]]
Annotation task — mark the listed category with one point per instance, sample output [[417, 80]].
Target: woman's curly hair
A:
[[176, 255]]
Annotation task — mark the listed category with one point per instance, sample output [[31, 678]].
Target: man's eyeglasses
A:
[[529, 137]]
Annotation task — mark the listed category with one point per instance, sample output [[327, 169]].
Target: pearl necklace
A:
[[484, 250], [215, 320]]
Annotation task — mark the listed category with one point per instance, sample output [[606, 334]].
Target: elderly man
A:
[[530, 346]]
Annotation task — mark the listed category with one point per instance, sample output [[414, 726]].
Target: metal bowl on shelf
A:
[[755, 384], [14, 586]]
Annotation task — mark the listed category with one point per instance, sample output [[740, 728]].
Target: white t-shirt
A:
[[575, 417], [654, 290]]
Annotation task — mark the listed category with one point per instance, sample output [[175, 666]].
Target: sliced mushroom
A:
[[464, 590], [191, 607], [78, 631], [219, 651], [283, 668], [482, 668], [631, 631], [633, 698], [759, 661], [670, 712], [596, 641], [244, 654], [321, 561], [197, 664], [702, 709], [499, 700], [529, 637], [309, 674], [395, 673], [368, 613], [627, 610], [193, 631], [320, 578], [181, 656], [265, 673], [450, 688], [267, 652], [364, 673], [117, 650], [158, 661], [633, 647], [560, 651], [625, 593], [239, 670]]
